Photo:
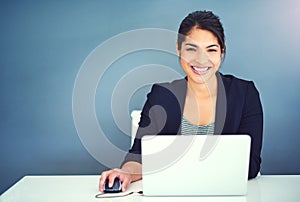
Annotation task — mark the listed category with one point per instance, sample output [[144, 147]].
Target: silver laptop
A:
[[202, 165]]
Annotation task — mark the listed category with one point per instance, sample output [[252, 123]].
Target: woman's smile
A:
[[199, 70]]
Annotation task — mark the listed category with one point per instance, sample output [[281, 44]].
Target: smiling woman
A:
[[200, 58], [196, 104]]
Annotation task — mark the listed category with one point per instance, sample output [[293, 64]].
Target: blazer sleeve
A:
[[252, 124], [153, 120]]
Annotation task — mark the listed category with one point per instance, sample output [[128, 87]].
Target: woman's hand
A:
[[130, 172], [124, 177]]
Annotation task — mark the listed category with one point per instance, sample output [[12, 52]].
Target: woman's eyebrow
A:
[[213, 45], [191, 44], [196, 46]]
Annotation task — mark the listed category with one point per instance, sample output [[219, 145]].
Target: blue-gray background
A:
[[44, 43]]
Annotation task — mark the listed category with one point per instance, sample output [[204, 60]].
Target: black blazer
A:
[[238, 111]]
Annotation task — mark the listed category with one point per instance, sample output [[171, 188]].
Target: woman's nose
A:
[[202, 58]]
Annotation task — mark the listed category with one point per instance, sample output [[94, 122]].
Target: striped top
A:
[[188, 128]]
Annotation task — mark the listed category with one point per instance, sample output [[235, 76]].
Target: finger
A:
[[103, 178], [126, 181], [112, 177], [101, 182]]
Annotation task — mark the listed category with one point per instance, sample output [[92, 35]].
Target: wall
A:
[[44, 44]]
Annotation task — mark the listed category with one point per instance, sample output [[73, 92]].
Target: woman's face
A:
[[200, 56]]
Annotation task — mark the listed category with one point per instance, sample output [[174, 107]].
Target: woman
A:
[[205, 102]]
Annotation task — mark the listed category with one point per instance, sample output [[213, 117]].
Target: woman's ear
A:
[[223, 50], [178, 51]]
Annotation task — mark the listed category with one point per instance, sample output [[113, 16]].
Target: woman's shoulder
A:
[[235, 85], [174, 89], [231, 78], [172, 85], [176, 82]]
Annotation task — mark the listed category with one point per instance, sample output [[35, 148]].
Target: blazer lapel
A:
[[221, 105]]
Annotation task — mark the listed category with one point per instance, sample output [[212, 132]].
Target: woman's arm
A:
[[130, 172], [131, 169], [252, 124]]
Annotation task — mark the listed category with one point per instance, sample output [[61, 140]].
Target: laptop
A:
[[195, 165]]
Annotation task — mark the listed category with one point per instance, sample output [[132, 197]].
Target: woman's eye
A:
[[212, 50], [191, 49]]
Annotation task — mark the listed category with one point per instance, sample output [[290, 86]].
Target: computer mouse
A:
[[117, 186]]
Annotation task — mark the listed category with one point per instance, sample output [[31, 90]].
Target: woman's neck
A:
[[203, 90]]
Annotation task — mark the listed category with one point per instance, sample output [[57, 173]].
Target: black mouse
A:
[[117, 186]]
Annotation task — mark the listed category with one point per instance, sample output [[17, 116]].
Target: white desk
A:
[[266, 188]]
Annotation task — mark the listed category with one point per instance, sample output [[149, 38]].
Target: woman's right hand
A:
[[130, 172], [124, 177]]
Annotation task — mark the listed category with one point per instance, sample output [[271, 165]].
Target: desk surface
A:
[[84, 188]]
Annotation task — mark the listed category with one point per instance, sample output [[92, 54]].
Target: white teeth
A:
[[202, 69]]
